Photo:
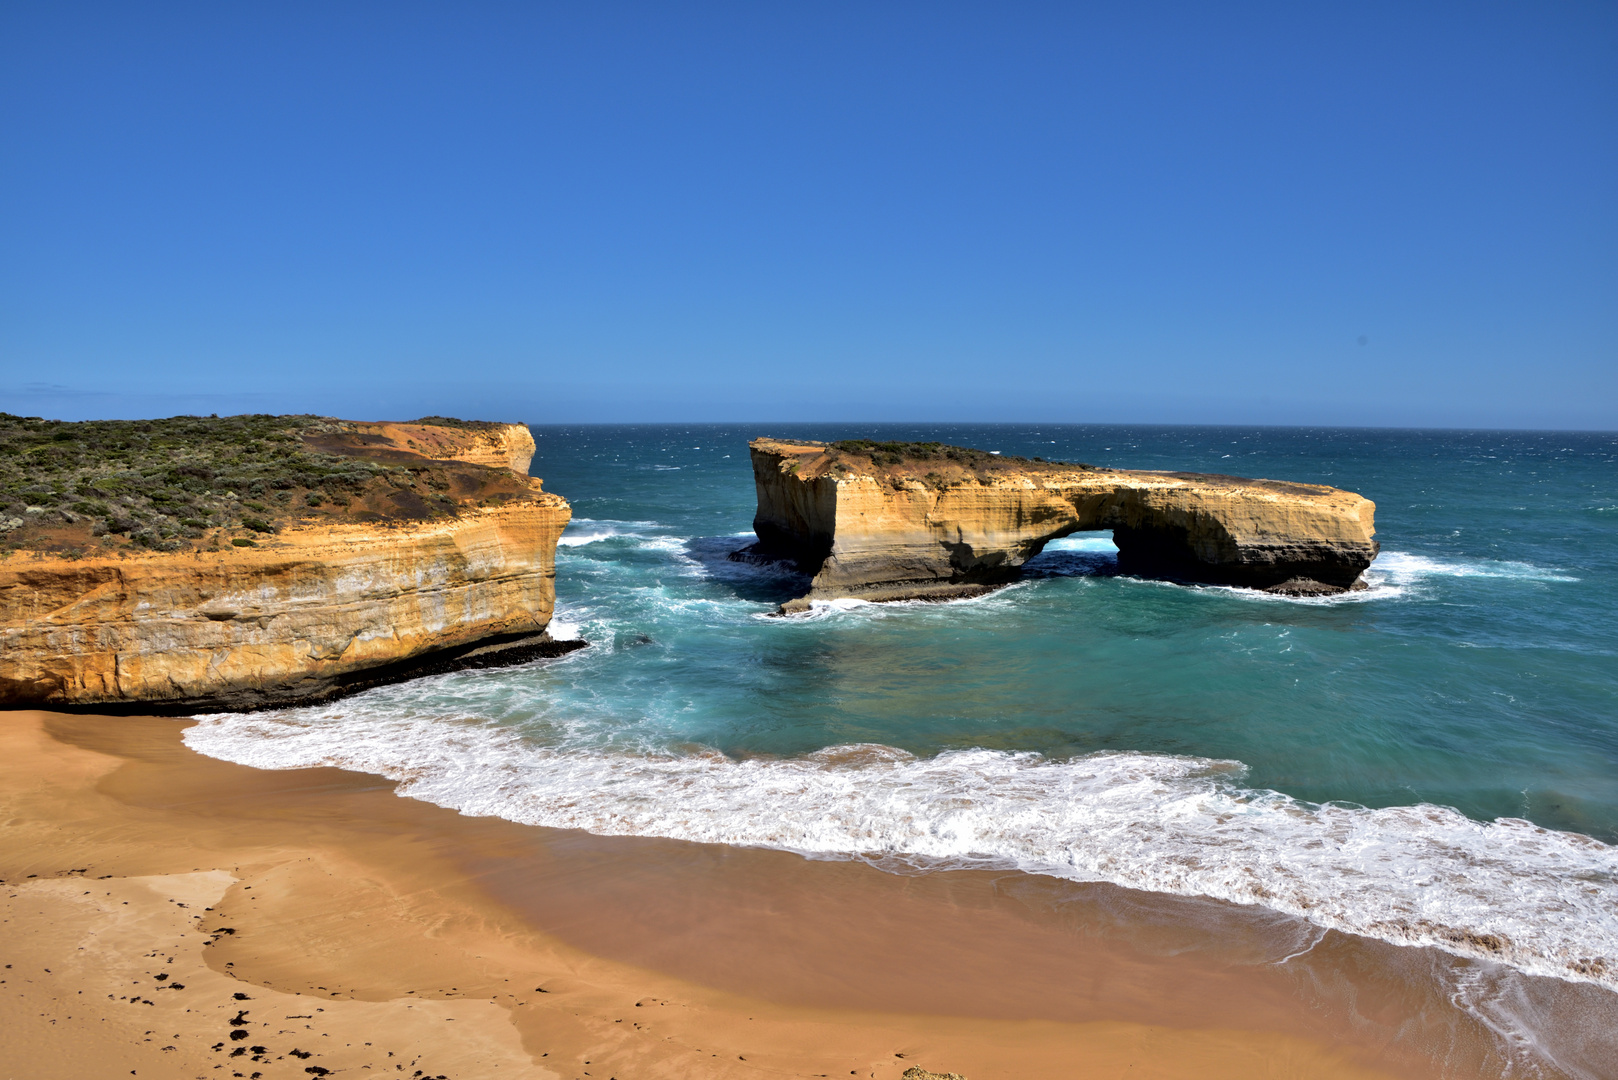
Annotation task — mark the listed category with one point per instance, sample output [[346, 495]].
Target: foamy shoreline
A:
[[1507, 891], [356, 926]]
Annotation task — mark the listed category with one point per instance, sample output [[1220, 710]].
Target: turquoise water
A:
[[1485, 679], [1430, 760]]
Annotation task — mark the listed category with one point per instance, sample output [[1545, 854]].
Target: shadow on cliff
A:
[[762, 581], [729, 561]]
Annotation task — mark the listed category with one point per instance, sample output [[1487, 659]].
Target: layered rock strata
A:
[[460, 573], [917, 521], [499, 446]]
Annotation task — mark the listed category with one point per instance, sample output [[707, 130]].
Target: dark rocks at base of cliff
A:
[[1302, 586], [505, 651], [943, 592], [780, 549], [762, 554], [1294, 568], [931, 593], [489, 653]]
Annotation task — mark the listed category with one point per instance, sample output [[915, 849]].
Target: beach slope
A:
[[168, 915]]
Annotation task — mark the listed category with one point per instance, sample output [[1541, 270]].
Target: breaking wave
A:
[[1542, 901]]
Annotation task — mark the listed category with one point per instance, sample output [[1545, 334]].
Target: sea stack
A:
[[195, 564], [899, 521]]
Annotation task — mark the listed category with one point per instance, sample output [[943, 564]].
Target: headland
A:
[[206, 563]]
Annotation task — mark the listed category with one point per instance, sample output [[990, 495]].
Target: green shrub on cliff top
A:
[[152, 480], [890, 453]]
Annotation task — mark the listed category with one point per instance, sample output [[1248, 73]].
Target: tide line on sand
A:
[[1543, 901]]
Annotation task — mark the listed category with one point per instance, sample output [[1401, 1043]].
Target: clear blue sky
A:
[[1398, 213]]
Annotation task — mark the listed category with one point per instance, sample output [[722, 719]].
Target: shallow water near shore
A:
[[1432, 761]]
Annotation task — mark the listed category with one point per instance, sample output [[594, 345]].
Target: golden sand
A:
[[168, 915]]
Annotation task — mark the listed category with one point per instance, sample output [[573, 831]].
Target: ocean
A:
[[1430, 762]]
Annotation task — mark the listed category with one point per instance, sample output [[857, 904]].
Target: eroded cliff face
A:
[[500, 446], [434, 551], [955, 525], [301, 617]]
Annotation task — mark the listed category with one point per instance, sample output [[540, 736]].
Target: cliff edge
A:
[[891, 521], [226, 563]]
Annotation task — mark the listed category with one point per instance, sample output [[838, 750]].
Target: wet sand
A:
[[169, 915]]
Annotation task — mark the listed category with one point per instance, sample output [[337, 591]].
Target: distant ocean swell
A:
[[1542, 901]]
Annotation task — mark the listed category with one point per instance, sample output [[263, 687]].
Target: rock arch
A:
[[906, 521]]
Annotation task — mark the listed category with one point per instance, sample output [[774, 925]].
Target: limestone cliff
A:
[[899, 521], [429, 559]]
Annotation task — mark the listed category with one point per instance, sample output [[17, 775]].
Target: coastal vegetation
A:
[[888, 453], [944, 464], [203, 481]]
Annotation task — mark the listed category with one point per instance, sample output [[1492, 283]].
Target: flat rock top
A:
[[197, 483], [939, 464]]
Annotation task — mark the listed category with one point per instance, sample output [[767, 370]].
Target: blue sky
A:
[[1399, 214]]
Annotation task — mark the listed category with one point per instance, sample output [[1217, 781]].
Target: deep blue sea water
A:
[[1431, 761]]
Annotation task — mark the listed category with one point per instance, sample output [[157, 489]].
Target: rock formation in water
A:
[[353, 554], [892, 521]]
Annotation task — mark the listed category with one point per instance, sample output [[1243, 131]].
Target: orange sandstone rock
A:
[[311, 613], [500, 446], [876, 526], [443, 559]]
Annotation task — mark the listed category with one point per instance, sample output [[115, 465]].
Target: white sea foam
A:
[[581, 531], [1400, 574], [1403, 566], [562, 628], [1545, 902], [582, 537], [867, 609]]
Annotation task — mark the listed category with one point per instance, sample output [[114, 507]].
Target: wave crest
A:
[[1542, 901]]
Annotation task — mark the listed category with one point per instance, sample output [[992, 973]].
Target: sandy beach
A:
[[169, 915]]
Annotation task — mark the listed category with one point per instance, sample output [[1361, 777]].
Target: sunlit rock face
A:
[[500, 446], [903, 521], [445, 558], [294, 620]]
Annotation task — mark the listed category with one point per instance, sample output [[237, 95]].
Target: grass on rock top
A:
[[172, 484], [889, 454]]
